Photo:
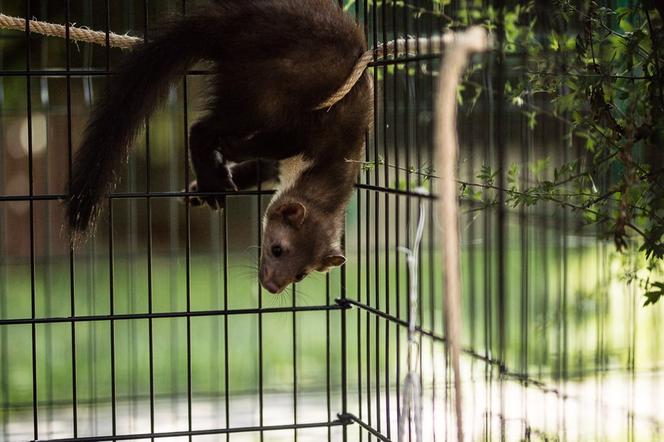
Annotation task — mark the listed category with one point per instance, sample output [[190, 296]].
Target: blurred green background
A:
[[550, 301]]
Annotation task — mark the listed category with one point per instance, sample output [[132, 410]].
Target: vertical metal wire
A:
[[261, 404], [377, 220], [328, 405], [525, 221], [397, 145], [33, 302], [328, 362], [561, 320], [343, 322], [602, 301], [72, 284], [386, 226], [545, 244], [408, 135], [344, 347], [500, 132], [294, 324], [93, 392], [417, 144], [367, 236], [487, 252], [47, 274], [226, 352], [148, 204], [525, 263], [470, 269], [430, 226], [4, 331], [343, 337], [360, 399], [185, 99], [111, 267], [359, 312], [358, 276]]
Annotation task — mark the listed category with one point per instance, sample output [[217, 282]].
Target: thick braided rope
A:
[[76, 34], [395, 48]]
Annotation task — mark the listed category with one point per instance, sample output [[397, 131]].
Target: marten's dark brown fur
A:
[[275, 61]]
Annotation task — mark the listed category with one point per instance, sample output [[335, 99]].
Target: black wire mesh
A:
[[158, 328]]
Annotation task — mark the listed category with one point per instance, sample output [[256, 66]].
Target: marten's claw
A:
[[215, 202], [195, 200], [229, 184]]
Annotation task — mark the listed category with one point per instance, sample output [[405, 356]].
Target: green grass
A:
[[558, 317], [545, 328]]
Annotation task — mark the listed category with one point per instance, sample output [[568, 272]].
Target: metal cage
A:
[[158, 329]]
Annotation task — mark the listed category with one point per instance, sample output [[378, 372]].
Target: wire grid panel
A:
[[542, 356], [157, 327]]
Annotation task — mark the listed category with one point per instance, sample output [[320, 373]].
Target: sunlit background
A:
[[558, 344]]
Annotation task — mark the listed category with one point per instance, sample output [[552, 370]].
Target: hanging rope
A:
[[459, 46], [474, 39], [411, 399], [401, 46]]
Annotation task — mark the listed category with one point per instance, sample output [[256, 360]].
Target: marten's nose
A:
[[272, 287], [267, 281]]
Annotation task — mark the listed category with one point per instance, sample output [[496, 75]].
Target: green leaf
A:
[[653, 296]]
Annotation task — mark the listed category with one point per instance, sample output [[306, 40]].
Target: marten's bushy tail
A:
[[133, 94]]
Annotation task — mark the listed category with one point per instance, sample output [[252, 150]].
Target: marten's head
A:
[[296, 242]]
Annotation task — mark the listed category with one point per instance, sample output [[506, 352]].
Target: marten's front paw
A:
[[220, 185], [214, 201]]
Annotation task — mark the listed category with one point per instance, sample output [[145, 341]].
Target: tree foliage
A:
[[599, 71], [603, 69]]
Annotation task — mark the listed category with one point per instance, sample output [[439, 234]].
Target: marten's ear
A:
[[333, 261], [293, 213]]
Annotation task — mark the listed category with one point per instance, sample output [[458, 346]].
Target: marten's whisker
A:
[[304, 297], [250, 267]]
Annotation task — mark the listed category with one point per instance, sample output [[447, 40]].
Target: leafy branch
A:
[[598, 72]]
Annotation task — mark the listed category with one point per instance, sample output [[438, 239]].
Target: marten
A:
[[273, 63]]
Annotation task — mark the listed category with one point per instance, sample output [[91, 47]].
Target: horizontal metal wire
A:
[[177, 194], [61, 72], [349, 417], [160, 315], [419, 329], [304, 426], [130, 195], [395, 191]]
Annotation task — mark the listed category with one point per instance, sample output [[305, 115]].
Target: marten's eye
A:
[[300, 276], [277, 251]]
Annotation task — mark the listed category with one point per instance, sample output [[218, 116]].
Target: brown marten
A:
[[274, 62]]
